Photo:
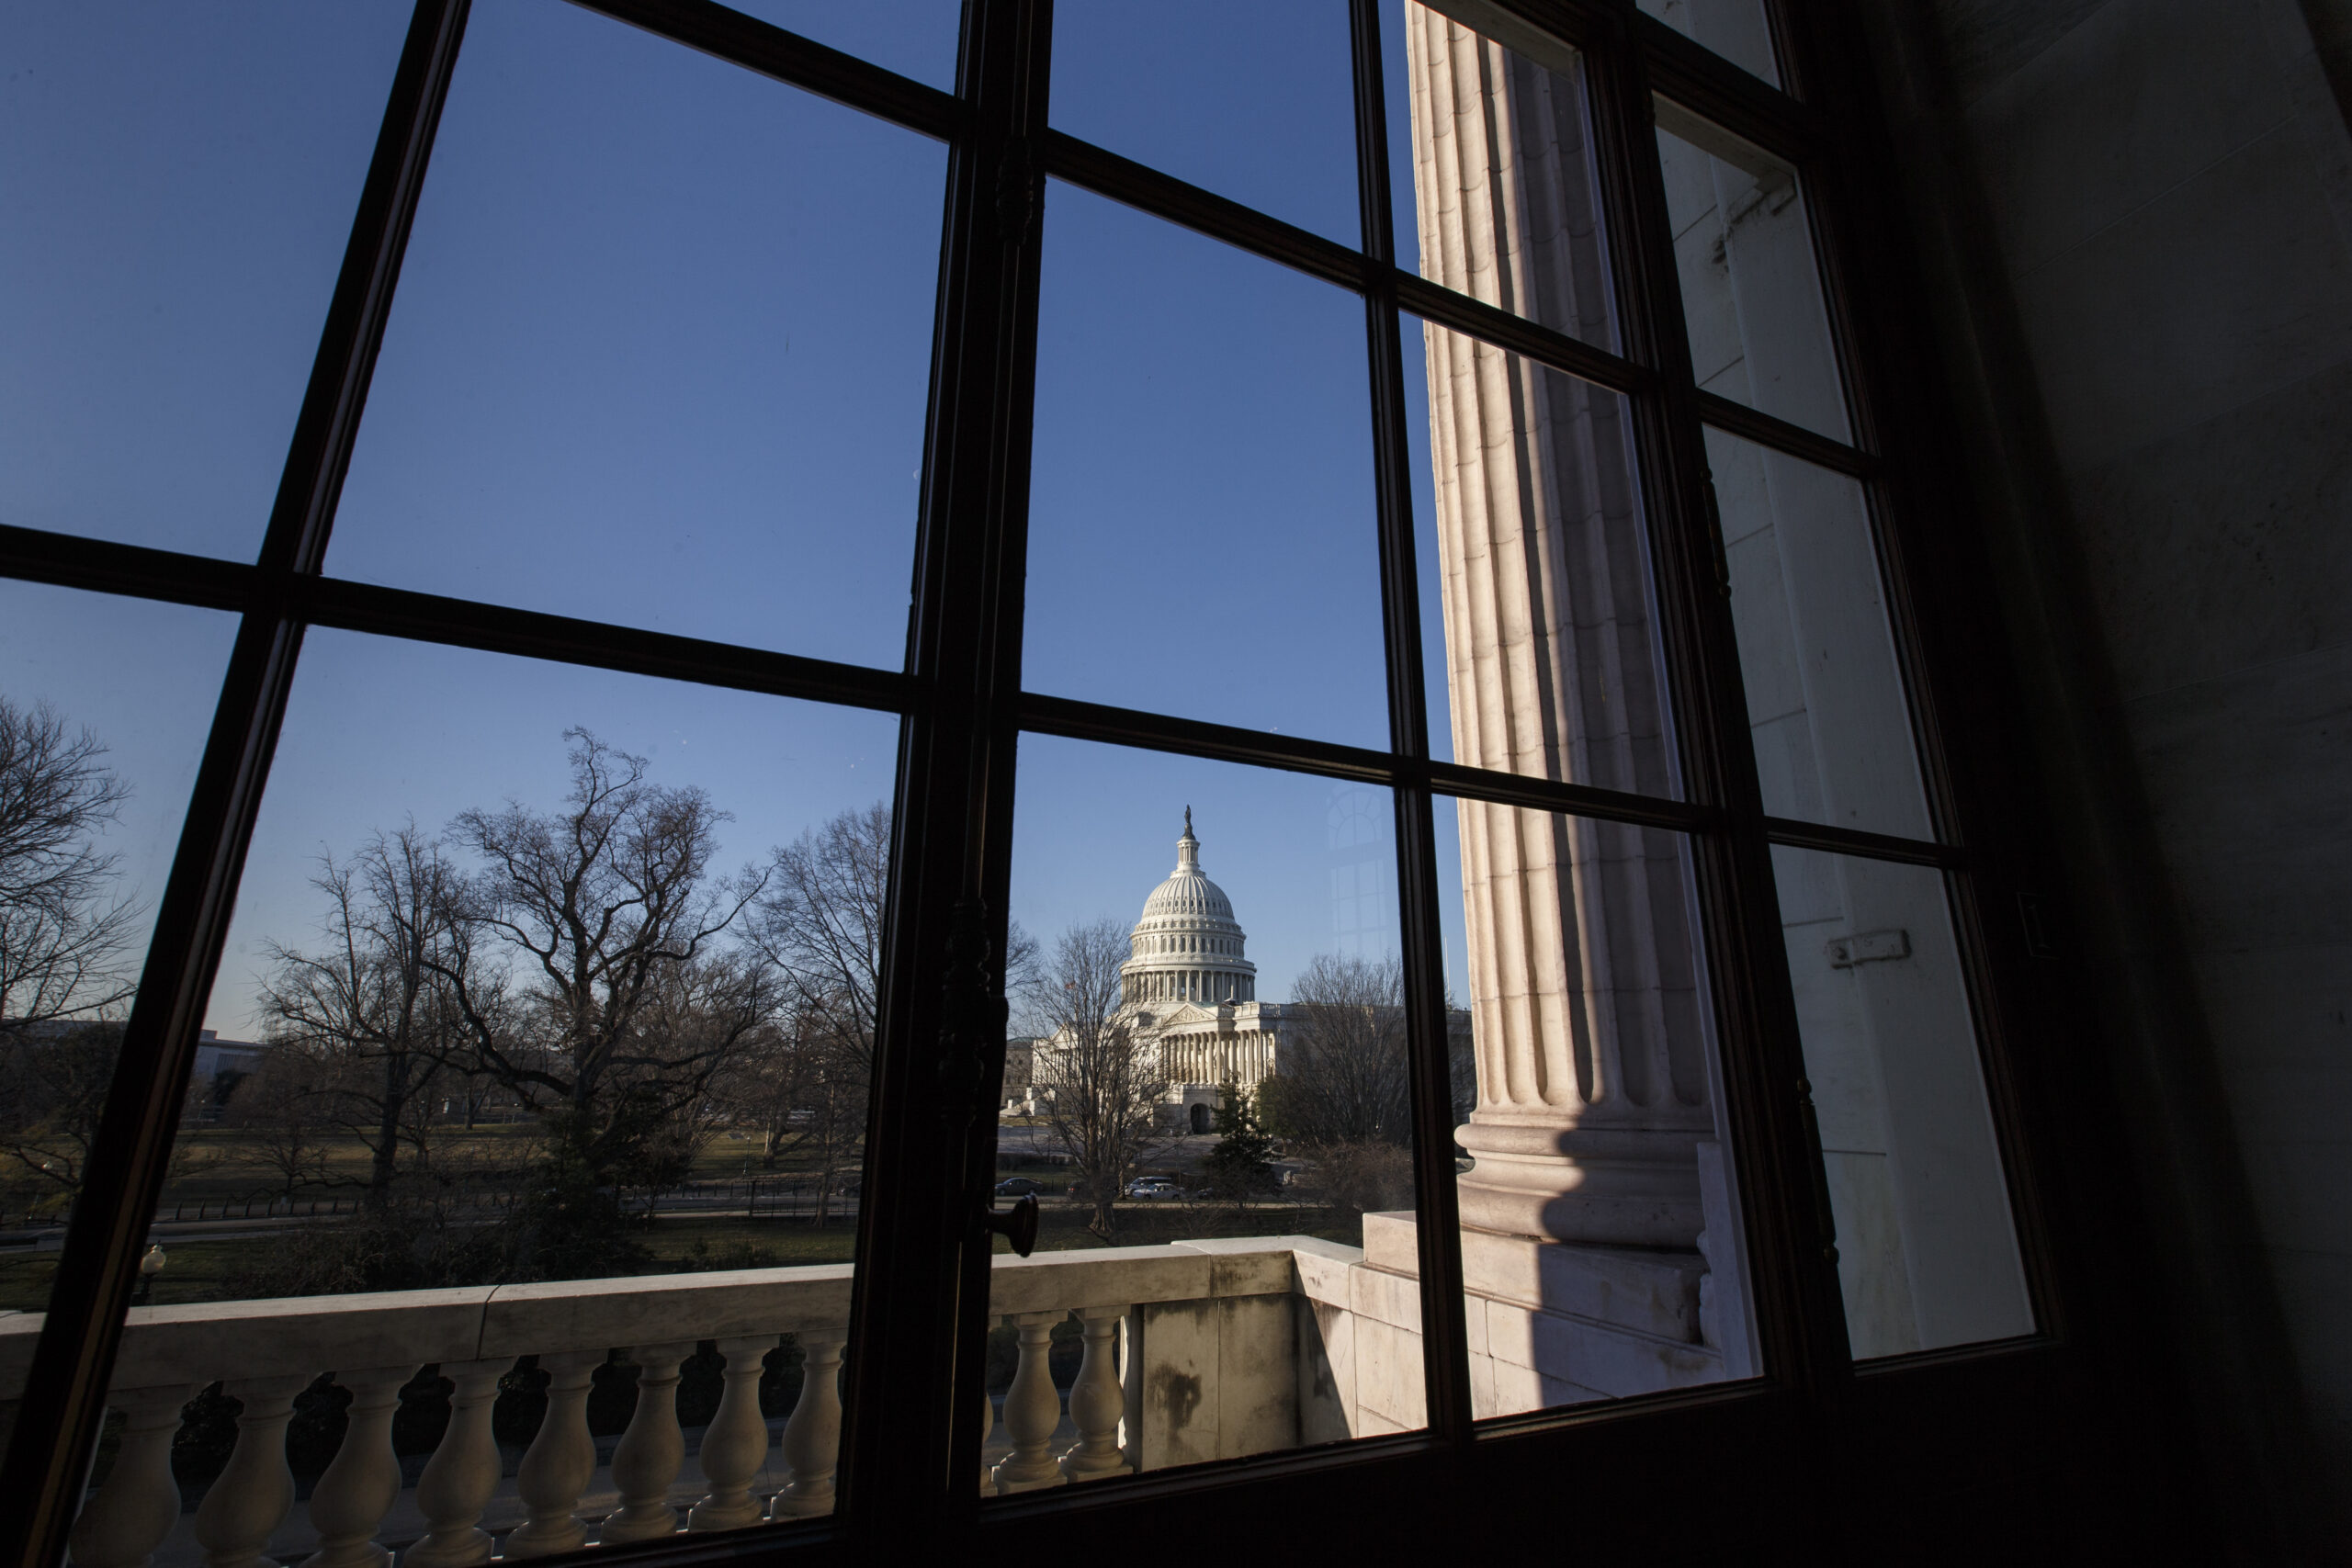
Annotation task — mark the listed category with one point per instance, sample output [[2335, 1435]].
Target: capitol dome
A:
[[1187, 947]]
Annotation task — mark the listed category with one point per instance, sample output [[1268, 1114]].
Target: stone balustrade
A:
[[1196, 1350], [1193, 1351]]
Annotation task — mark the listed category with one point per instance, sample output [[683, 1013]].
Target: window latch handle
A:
[[1017, 1224]]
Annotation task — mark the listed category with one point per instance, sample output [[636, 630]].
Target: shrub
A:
[[1362, 1178]]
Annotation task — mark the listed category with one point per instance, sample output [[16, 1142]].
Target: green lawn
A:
[[220, 1163], [224, 1165]]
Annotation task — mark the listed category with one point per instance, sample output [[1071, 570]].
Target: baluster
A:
[[249, 1500], [556, 1466], [462, 1473], [651, 1449], [123, 1525], [735, 1445], [363, 1481], [813, 1434], [1031, 1409], [1097, 1400], [987, 1430]]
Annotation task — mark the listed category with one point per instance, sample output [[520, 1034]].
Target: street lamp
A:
[[149, 1266]]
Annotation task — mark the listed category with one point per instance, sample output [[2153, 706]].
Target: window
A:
[[661, 743]]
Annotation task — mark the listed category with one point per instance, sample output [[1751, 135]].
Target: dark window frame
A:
[[908, 1454]]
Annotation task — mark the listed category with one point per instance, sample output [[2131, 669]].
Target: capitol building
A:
[[1188, 996]]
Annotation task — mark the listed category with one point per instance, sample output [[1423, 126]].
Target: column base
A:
[[1632, 1188]]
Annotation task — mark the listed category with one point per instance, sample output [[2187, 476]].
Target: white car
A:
[[1151, 1186]]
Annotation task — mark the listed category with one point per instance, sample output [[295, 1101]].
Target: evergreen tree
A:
[[1240, 1166]]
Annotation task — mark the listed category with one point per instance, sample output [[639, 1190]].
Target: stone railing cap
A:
[[197, 1342]]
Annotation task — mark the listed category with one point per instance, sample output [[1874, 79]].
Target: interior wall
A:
[[2166, 187]]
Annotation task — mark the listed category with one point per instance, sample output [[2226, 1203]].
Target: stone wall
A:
[[1547, 1325], [2168, 185]]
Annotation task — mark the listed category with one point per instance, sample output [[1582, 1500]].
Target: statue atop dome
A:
[[1187, 849]]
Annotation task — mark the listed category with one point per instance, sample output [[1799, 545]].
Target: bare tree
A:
[[817, 1102], [64, 934], [54, 1079], [721, 1008], [372, 1005], [1344, 1076], [618, 930], [820, 924], [1362, 1178], [65, 965], [1102, 1085], [769, 1082], [280, 1113], [1022, 970]]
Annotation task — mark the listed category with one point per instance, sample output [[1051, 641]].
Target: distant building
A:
[[1189, 994], [215, 1056], [221, 1065]]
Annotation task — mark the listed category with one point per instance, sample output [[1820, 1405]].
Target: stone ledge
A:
[[199, 1342], [299, 1335], [1238, 1268], [1109, 1275], [560, 1314], [1322, 1269]]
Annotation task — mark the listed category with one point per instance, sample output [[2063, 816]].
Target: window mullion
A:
[[1774, 1147], [920, 1303], [1445, 1347]]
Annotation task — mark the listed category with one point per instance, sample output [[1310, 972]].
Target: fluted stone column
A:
[[1593, 1079]]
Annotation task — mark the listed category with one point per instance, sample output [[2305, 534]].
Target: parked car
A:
[[1018, 1186], [1152, 1187]]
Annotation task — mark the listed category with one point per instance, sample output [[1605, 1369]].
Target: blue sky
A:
[[660, 357]]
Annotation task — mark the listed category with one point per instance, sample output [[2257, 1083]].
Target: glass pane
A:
[[1602, 1250], [1927, 1256], [632, 357], [180, 189], [1737, 29], [1539, 642], [1751, 294], [1207, 1090], [1504, 202], [1825, 698], [1202, 91], [105, 704], [1202, 536], [539, 1057], [913, 38]]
